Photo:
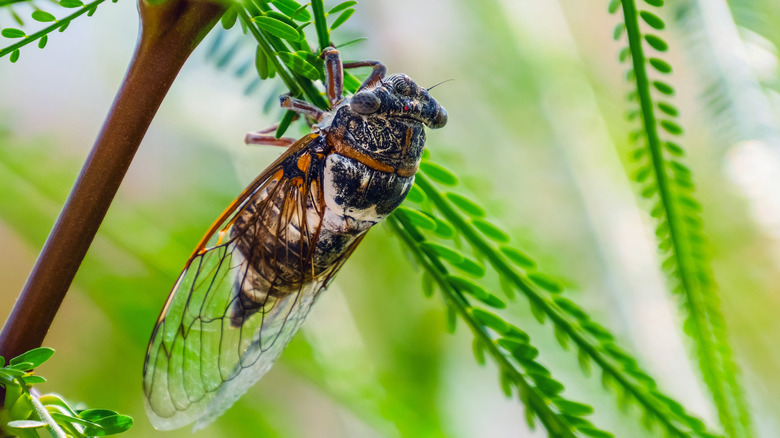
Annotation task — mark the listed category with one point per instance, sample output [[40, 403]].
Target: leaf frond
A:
[[668, 186], [42, 35]]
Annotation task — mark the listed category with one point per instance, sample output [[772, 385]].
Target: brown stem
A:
[[170, 31]]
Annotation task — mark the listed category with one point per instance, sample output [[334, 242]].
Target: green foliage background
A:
[[537, 133]]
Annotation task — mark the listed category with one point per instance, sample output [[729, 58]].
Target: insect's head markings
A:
[[399, 96]]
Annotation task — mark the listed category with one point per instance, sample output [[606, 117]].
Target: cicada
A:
[[256, 273]]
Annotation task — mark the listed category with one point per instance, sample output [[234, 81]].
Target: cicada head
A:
[[399, 96]]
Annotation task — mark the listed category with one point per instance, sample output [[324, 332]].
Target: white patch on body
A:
[[340, 217]]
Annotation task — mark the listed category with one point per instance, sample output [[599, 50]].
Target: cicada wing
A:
[[240, 299]]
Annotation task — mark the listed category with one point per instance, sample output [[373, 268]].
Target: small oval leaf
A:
[[518, 257], [519, 350], [26, 424], [448, 254], [470, 267], [443, 229], [652, 20], [545, 282], [671, 127], [34, 357], [490, 230], [439, 173], [341, 6], [417, 218], [490, 320], [110, 425], [416, 195], [674, 149], [663, 87], [43, 16], [657, 43], [342, 19], [592, 432], [660, 65], [428, 284], [10, 32], [549, 386], [572, 407], [71, 3], [34, 380], [229, 18], [466, 205], [668, 109], [293, 9], [278, 28], [571, 308], [299, 65], [618, 32], [479, 351]]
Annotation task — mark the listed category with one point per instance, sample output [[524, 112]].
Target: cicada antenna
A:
[[431, 88]]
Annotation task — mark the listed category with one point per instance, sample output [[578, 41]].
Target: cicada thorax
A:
[[371, 168]]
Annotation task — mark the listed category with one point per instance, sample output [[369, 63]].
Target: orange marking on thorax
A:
[[407, 141], [335, 138]]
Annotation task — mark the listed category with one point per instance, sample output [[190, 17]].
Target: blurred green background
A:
[[536, 133]]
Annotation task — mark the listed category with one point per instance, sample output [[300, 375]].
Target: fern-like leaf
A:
[[668, 184], [572, 324], [510, 348]]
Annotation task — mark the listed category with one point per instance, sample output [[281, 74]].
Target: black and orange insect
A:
[[257, 272]]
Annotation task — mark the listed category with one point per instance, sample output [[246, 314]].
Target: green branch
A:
[[555, 424], [680, 233], [60, 24], [645, 396], [4, 3], [320, 25]]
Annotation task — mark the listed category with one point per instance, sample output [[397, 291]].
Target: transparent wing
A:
[[241, 297]]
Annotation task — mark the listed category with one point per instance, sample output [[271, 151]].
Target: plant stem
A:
[[170, 31], [320, 25]]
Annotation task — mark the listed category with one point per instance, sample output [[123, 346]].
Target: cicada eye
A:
[[440, 120], [365, 102]]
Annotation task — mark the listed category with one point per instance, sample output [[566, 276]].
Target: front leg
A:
[[377, 74], [334, 76], [259, 137]]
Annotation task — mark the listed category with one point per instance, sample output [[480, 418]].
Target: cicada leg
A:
[[301, 107], [292, 104], [261, 138], [377, 74], [334, 74]]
